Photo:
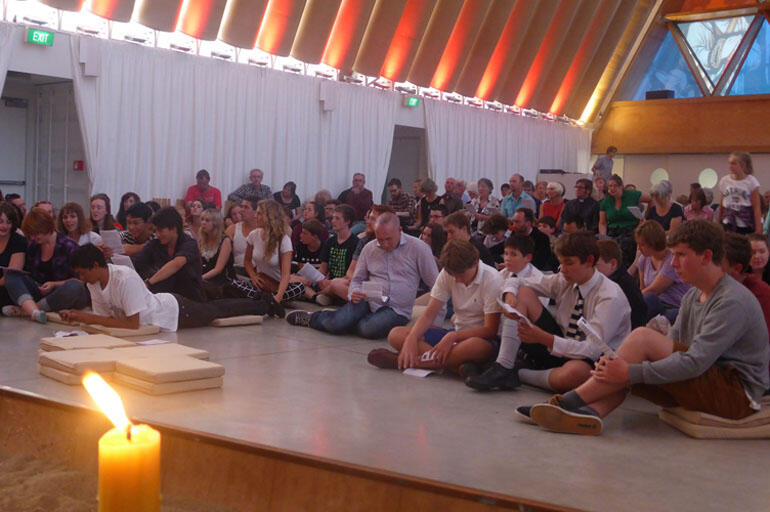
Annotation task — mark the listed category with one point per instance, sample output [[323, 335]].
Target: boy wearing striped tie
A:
[[553, 352]]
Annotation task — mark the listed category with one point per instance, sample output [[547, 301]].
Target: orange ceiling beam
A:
[[115, 10], [314, 28], [240, 23], [201, 18], [440, 26], [585, 53], [508, 87], [348, 30], [483, 47], [409, 32], [548, 50], [507, 47], [65, 5], [159, 14], [276, 34], [563, 56], [458, 46], [378, 36]]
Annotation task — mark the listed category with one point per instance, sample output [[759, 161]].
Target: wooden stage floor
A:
[[306, 392]]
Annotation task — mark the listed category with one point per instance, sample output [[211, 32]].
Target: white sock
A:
[[509, 343], [537, 378]]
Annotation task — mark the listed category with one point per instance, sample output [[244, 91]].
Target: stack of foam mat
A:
[[155, 369]]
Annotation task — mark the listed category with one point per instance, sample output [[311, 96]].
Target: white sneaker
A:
[[324, 300], [11, 311]]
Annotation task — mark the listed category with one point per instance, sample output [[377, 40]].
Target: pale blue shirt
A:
[[510, 204]]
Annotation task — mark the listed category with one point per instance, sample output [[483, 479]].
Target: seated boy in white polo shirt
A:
[[474, 288]]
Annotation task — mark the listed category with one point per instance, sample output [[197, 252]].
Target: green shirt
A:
[[621, 218]]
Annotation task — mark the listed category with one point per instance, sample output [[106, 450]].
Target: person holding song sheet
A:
[[383, 287]]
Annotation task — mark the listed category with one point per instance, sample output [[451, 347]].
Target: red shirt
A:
[[211, 196]]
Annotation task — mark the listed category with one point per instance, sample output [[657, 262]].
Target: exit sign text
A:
[[40, 37]]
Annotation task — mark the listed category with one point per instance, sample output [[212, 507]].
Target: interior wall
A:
[[408, 160], [685, 169], [40, 143]]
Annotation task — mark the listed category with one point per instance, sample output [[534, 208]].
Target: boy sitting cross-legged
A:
[[474, 288], [554, 351], [714, 359]]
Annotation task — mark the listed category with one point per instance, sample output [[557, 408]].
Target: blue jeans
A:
[[358, 318], [70, 295], [656, 307]]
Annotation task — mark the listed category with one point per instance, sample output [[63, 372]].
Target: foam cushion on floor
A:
[[143, 330], [707, 426], [237, 320], [163, 350], [166, 388], [79, 361], [169, 369], [87, 341], [71, 379]]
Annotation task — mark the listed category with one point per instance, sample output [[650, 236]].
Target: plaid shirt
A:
[[404, 203], [59, 269]]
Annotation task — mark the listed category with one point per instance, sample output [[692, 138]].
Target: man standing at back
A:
[[358, 197], [517, 198]]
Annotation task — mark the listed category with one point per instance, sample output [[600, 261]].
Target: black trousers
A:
[[201, 314]]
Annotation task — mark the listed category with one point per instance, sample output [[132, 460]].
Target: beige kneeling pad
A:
[[143, 330], [167, 387], [66, 377], [164, 350], [79, 342], [169, 369], [77, 362], [707, 426], [237, 320]]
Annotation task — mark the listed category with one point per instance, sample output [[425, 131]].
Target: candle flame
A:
[[107, 400]]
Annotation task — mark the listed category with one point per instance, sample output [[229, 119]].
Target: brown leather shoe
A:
[[383, 358]]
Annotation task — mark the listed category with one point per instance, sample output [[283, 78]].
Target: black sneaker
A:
[[275, 309], [554, 417], [299, 317], [496, 377], [469, 370], [523, 412]]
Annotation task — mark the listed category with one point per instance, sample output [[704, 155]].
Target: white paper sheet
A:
[[510, 309], [310, 273], [111, 239], [418, 372]]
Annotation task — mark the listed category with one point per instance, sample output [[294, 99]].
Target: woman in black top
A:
[[662, 210], [216, 250], [288, 198], [13, 246]]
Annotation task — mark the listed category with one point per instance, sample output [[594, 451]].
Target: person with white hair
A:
[[662, 210], [554, 204]]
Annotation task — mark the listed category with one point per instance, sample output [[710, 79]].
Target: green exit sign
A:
[[40, 37], [412, 101]]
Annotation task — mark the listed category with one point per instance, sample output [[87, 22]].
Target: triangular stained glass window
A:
[[754, 76], [713, 42], [668, 71]]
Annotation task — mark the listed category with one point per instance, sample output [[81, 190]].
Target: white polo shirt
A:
[[470, 302]]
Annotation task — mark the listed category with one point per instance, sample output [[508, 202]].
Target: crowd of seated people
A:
[[529, 287]]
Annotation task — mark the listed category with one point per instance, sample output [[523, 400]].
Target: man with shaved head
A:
[[384, 285], [517, 198]]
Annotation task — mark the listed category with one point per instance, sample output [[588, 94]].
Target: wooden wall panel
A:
[[690, 125]]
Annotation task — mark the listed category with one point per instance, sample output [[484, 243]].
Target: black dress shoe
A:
[[496, 377]]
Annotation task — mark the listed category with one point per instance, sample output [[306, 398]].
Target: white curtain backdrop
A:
[[152, 118], [468, 143], [7, 33]]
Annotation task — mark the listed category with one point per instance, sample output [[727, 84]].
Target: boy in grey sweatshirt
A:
[[713, 360]]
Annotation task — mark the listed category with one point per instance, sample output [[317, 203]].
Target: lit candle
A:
[[129, 456]]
